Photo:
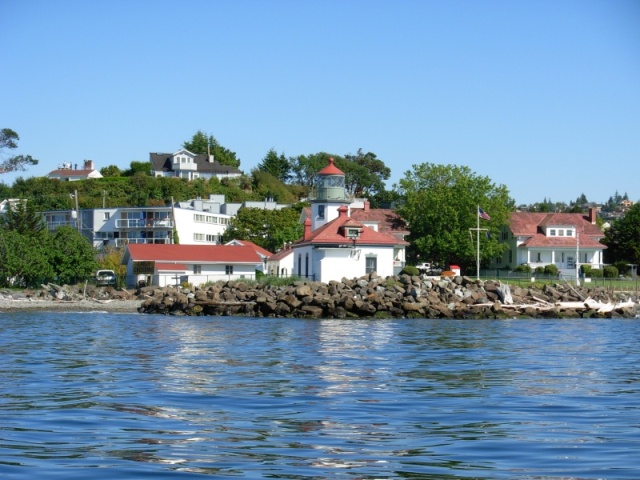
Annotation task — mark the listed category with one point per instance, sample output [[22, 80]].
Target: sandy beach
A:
[[86, 305]]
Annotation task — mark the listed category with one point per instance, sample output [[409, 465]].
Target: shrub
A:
[[610, 271], [410, 270], [539, 270], [523, 268], [586, 270], [551, 269], [595, 273], [622, 267]]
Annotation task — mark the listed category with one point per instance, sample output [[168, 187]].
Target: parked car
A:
[[106, 278]]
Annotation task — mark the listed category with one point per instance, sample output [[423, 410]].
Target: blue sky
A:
[[540, 96]]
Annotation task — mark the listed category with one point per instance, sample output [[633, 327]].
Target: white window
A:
[[198, 237], [228, 269], [107, 215], [197, 269], [552, 232], [561, 233], [320, 211], [569, 232], [371, 264]]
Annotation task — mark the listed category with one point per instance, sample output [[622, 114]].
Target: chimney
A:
[[307, 228], [342, 211], [367, 206], [88, 164], [592, 215]]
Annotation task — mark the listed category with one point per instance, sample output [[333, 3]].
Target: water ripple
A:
[[148, 396]]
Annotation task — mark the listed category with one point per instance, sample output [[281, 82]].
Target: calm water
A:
[[102, 396]]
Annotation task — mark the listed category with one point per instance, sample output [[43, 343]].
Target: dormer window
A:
[[353, 232]]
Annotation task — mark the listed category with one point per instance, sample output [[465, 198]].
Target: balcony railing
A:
[[125, 241], [66, 223], [142, 223]]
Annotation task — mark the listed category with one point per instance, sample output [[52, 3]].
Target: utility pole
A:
[[75, 195], [577, 258], [477, 230]]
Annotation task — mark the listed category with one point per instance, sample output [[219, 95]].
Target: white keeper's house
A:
[[335, 243], [560, 239]]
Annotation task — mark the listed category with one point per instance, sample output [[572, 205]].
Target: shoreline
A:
[[83, 305]]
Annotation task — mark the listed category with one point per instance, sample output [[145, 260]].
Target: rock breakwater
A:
[[401, 296]]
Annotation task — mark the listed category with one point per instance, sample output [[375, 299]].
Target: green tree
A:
[[24, 219], [111, 171], [24, 260], [138, 168], [366, 174], [9, 140], [265, 185], [440, 205], [72, 257], [208, 145], [305, 167], [268, 228], [622, 238], [276, 165]]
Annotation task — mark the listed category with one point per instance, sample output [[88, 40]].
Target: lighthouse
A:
[[330, 195]]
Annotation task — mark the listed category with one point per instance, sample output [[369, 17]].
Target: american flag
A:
[[482, 214]]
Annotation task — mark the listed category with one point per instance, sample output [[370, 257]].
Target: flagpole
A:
[[478, 243]]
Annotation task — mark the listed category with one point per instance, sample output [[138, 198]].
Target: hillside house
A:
[[188, 165], [70, 173]]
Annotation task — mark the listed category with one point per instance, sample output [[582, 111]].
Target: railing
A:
[[55, 225], [141, 223], [125, 241]]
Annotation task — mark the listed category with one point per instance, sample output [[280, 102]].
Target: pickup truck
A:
[[106, 278]]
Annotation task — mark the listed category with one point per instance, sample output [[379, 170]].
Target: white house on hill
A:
[[71, 173], [188, 165]]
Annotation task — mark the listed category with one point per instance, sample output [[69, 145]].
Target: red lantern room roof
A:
[[331, 169]]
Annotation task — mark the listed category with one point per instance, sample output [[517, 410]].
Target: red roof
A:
[[171, 266], [262, 251], [331, 169], [284, 253], [193, 253], [333, 233], [65, 172], [540, 240], [388, 221], [534, 225]]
